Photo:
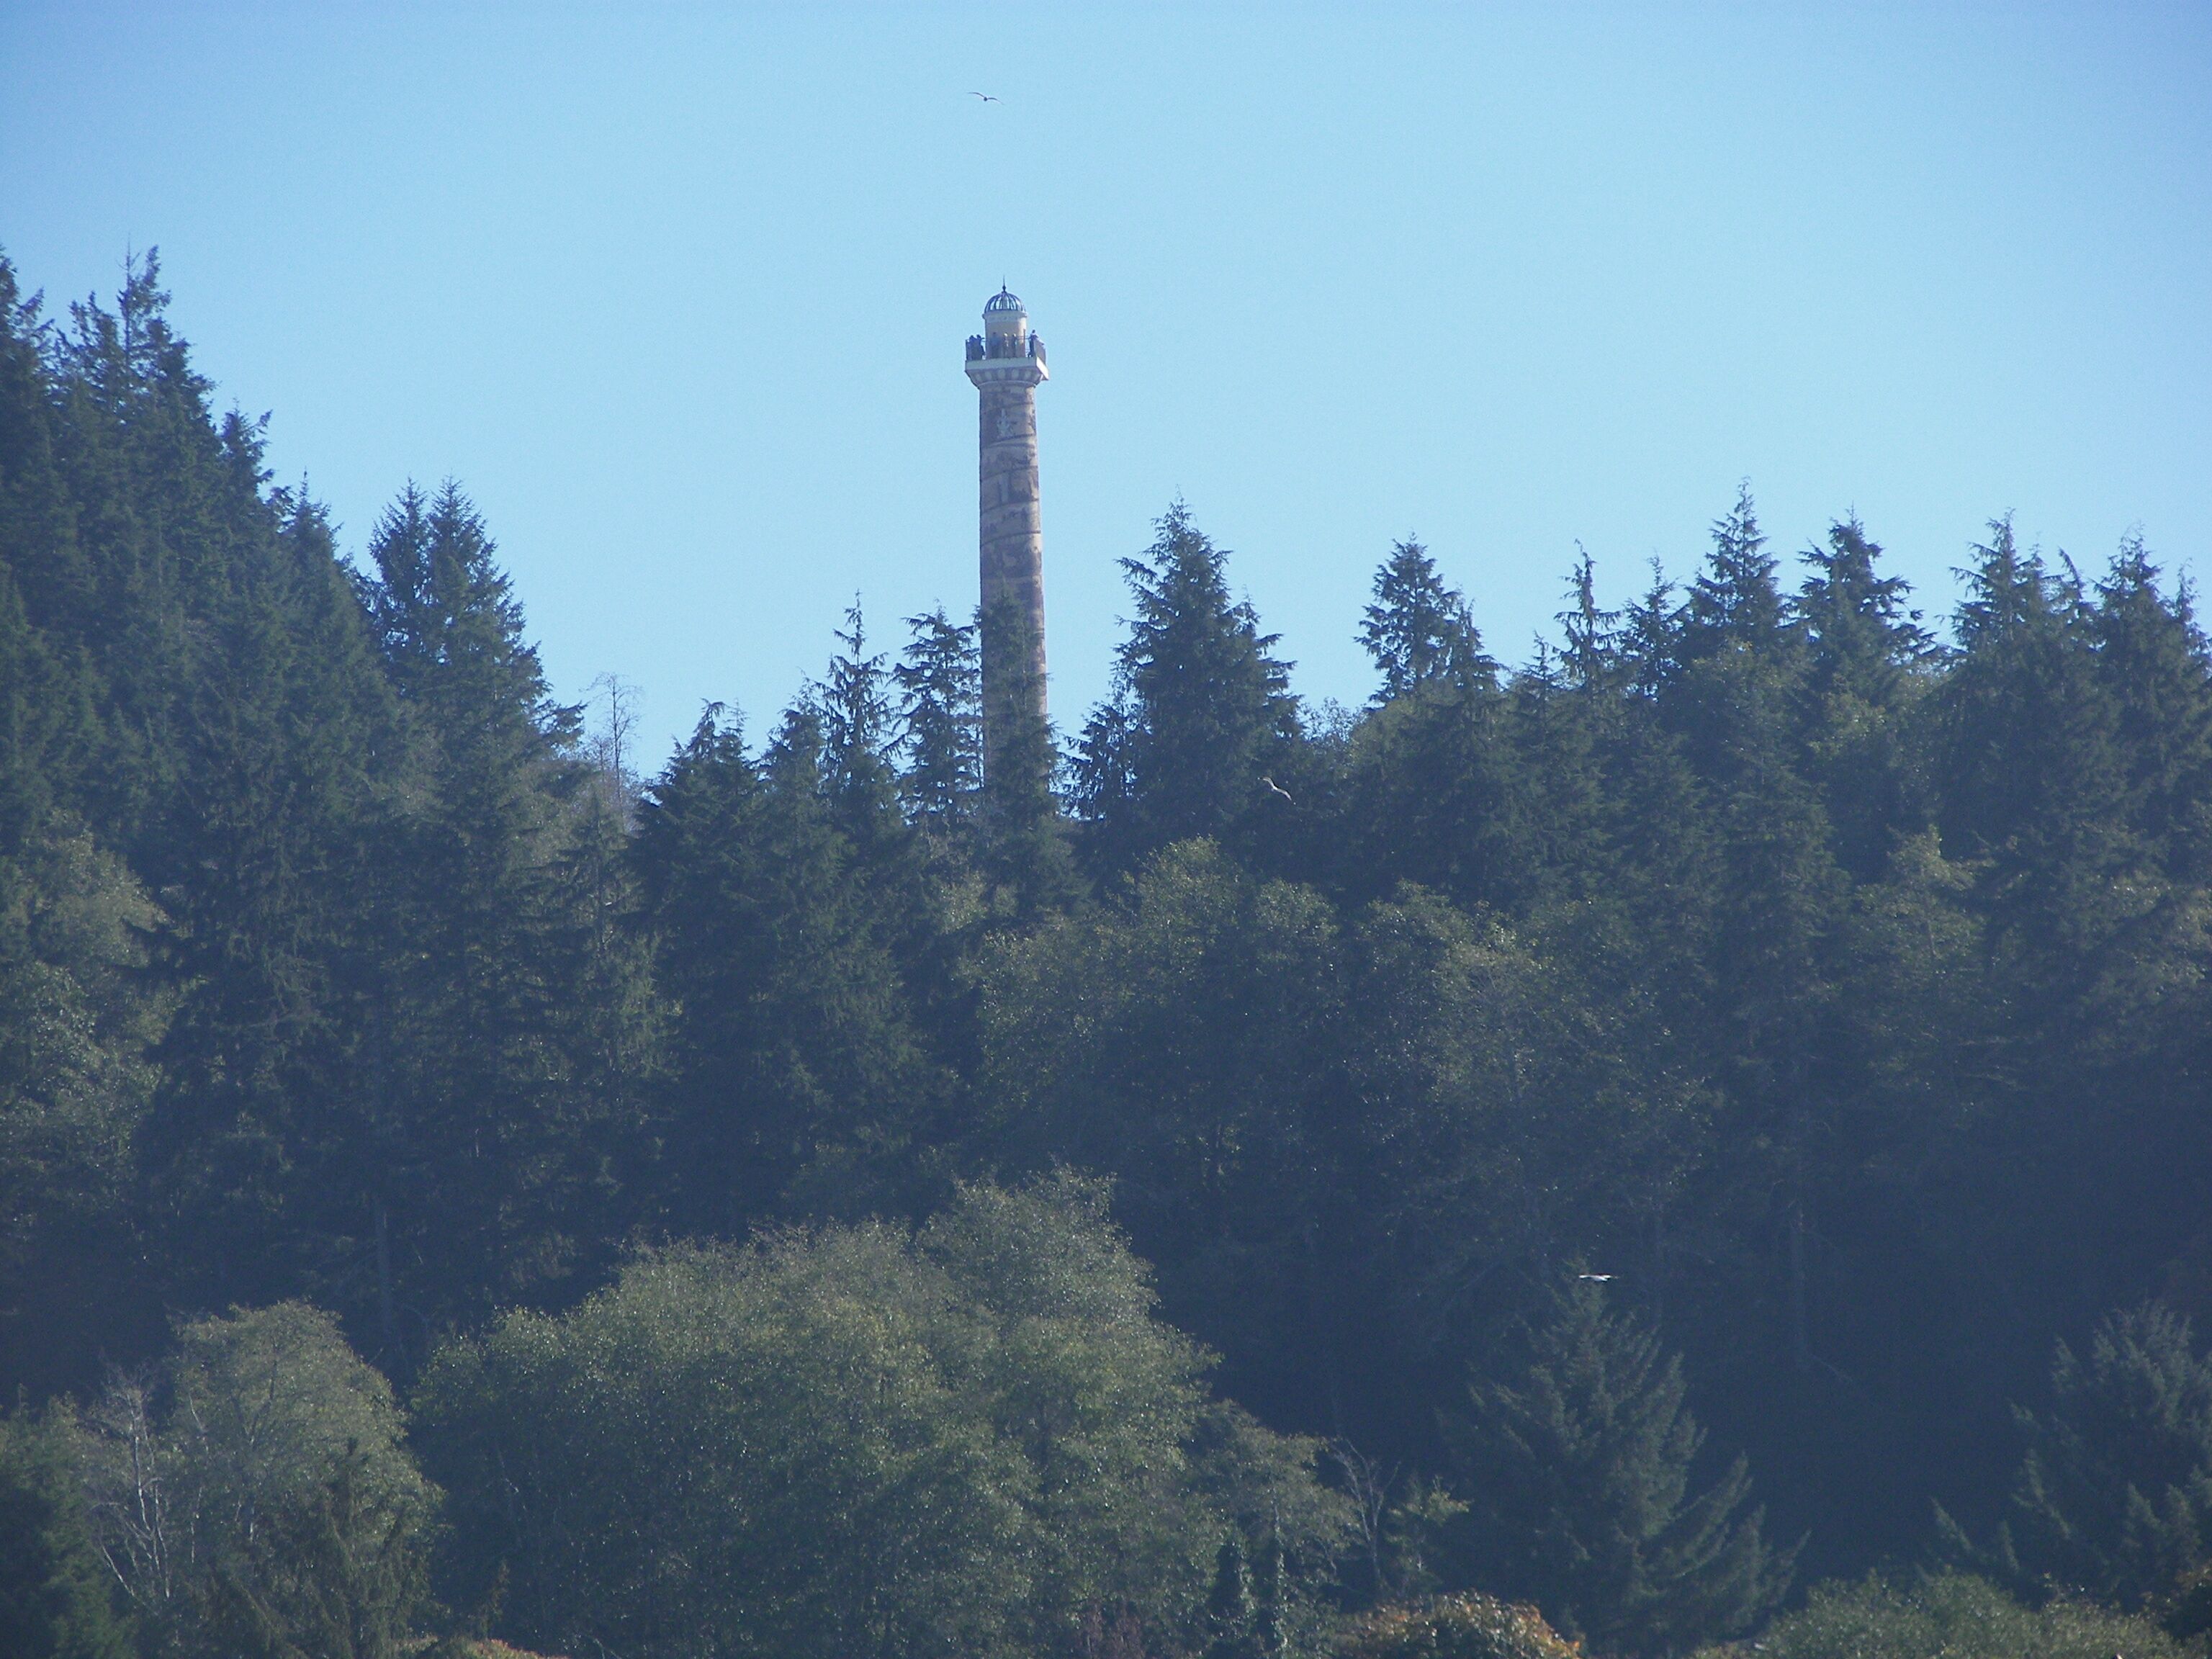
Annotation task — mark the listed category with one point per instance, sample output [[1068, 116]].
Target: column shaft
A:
[[1012, 537]]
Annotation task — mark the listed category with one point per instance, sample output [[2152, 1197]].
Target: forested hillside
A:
[[1718, 1107]]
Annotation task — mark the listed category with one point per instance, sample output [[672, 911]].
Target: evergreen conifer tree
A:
[[2035, 785], [477, 1114], [1201, 709], [1651, 637], [1865, 643], [1580, 1473], [49, 591], [2113, 1500], [909, 840], [1425, 797], [939, 682], [1419, 631], [1776, 899], [1591, 661], [233, 654], [2155, 662], [1433, 794], [1868, 661], [1735, 600], [857, 738], [795, 1058]]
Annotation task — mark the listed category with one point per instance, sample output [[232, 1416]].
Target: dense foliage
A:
[[58, 1599], [254, 1496], [1827, 984], [1454, 1628], [854, 1440], [1951, 1616]]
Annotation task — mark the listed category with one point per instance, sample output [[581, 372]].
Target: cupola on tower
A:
[[1006, 363]]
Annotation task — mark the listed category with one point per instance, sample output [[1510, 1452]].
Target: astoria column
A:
[[1006, 363]]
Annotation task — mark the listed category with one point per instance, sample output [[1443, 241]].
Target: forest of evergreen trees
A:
[[1697, 1134]]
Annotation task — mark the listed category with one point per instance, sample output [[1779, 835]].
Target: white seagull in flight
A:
[[986, 98]]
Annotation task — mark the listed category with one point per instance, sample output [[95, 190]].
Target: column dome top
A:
[[1001, 301]]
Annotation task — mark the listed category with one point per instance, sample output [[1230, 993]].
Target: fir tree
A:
[[941, 684], [1651, 637], [2034, 785], [1433, 794], [2113, 1500], [858, 738], [1869, 659], [2155, 662], [476, 1113], [257, 781], [1776, 898], [1201, 709], [1580, 1473], [795, 1058], [49, 591], [1735, 600], [1419, 631], [1865, 643], [1590, 662]]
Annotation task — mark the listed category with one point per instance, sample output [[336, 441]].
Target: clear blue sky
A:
[[678, 295]]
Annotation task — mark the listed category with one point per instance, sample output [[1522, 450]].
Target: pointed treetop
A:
[[1418, 630]]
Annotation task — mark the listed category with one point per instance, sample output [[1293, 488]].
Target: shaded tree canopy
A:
[[1828, 974]]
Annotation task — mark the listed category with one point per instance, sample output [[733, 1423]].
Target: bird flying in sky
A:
[[986, 98]]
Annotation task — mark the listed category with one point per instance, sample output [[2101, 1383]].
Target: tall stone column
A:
[[1006, 363]]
